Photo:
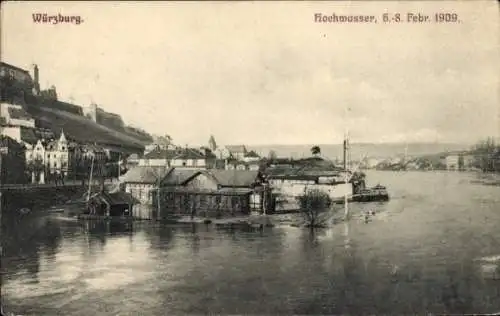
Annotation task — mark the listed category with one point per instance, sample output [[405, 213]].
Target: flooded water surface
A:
[[435, 247]]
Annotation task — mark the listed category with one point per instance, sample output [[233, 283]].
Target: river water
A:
[[420, 253]]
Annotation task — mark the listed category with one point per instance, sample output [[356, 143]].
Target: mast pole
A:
[[90, 179], [346, 176], [119, 164]]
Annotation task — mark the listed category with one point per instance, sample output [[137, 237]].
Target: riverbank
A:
[[42, 196]]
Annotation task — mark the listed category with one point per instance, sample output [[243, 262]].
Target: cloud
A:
[[265, 73]]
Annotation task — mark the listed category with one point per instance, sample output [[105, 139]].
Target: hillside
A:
[[358, 151], [82, 129]]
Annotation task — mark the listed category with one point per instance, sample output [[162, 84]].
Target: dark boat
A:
[[377, 193]]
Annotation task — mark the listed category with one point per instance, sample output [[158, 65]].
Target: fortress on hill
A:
[[29, 114]]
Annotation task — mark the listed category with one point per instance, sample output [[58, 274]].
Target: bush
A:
[[314, 204]]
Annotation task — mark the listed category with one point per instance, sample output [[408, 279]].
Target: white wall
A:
[[153, 162], [4, 110], [12, 132], [188, 163], [296, 189], [142, 192]]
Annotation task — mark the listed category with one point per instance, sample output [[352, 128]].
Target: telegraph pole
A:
[[346, 176]]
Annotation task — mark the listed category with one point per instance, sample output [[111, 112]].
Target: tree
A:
[[272, 155], [164, 141], [35, 167], [315, 150], [484, 153], [314, 206]]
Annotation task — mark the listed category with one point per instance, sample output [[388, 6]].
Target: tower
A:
[[62, 144], [212, 144], [36, 80], [63, 154]]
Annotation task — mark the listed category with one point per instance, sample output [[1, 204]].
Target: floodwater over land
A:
[[433, 248]]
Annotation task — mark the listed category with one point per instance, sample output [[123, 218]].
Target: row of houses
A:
[[183, 190], [449, 161], [230, 191], [229, 158]]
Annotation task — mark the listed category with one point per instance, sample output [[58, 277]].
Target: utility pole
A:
[[119, 165], [346, 176], [3, 150], [90, 179], [1, 178], [346, 180]]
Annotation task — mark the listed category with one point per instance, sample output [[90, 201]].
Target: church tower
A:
[[62, 144]]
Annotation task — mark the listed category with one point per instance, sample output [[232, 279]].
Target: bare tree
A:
[[272, 155], [484, 153], [315, 206]]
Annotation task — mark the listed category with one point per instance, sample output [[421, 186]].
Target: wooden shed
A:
[[111, 204]]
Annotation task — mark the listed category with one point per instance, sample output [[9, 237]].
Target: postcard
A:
[[249, 157]]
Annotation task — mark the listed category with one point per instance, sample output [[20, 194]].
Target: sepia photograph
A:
[[250, 158]]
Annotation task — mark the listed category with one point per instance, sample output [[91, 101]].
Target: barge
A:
[[377, 193]]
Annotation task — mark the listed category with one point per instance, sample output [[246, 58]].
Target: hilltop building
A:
[[43, 110], [99, 116], [16, 83]]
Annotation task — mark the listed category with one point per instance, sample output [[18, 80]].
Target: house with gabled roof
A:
[[189, 158], [237, 151], [179, 157], [142, 180], [211, 192]]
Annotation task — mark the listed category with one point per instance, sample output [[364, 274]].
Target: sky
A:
[[266, 73]]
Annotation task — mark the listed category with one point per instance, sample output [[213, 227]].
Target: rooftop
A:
[[144, 174], [3, 64], [115, 198], [233, 178], [177, 176], [236, 148]]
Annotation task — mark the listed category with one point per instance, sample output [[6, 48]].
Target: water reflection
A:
[[430, 250]]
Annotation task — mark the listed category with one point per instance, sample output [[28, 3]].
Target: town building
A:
[[16, 83], [142, 180], [51, 158], [30, 113], [177, 158], [371, 162], [233, 164], [212, 193], [99, 116], [132, 161], [116, 204], [18, 124], [16, 115], [288, 183], [237, 151], [189, 158]]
